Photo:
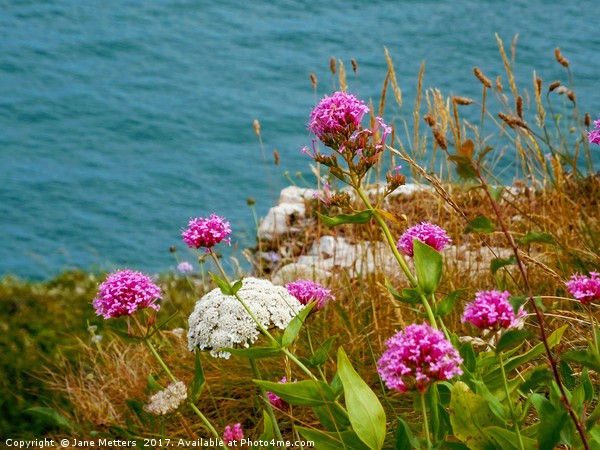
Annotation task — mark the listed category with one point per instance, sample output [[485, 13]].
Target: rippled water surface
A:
[[121, 120]]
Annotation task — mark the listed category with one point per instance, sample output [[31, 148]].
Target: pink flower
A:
[[491, 309], [185, 267], [206, 232], [124, 292], [417, 357], [594, 135], [425, 232], [337, 117], [585, 289], [276, 401], [307, 291], [233, 434]]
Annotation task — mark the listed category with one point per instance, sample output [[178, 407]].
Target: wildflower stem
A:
[[594, 334], [390, 240], [538, 313], [425, 420], [207, 424], [265, 397], [160, 360], [513, 416], [263, 330]]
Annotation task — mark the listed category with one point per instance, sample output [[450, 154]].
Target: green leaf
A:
[[428, 266], [404, 436], [552, 420], [268, 433], [237, 286], [253, 352], [332, 416], [541, 238], [364, 409], [52, 417], [494, 378], [447, 304], [512, 338], [332, 441], [567, 374], [468, 355], [152, 385], [358, 218], [469, 415], [199, 379], [409, 295], [322, 353], [586, 358], [534, 378], [293, 328], [464, 167], [480, 224], [498, 263], [301, 393], [507, 440], [226, 288], [495, 192]]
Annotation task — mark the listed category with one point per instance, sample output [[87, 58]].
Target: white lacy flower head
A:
[[220, 320], [167, 400]]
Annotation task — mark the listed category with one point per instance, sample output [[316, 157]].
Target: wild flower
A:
[[276, 401], [492, 310], [585, 289], [233, 434], [417, 357], [335, 118], [307, 291], [167, 400], [425, 232], [220, 320], [124, 292], [594, 135], [185, 267], [206, 232]]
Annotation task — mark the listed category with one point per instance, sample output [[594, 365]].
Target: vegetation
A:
[[530, 384]]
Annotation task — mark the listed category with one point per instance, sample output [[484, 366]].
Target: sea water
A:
[[121, 120]]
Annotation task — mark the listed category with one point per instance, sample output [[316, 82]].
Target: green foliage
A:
[[361, 217], [428, 266], [364, 409]]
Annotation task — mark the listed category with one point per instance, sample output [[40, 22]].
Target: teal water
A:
[[121, 120]]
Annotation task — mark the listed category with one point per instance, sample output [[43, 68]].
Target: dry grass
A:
[[554, 197]]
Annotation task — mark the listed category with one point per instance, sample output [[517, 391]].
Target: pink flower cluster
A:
[[492, 310], [594, 135], [206, 232], [585, 289], [124, 292], [417, 357], [307, 291], [425, 232], [276, 401], [339, 114], [233, 434]]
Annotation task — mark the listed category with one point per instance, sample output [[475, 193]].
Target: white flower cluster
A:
[[167, 400], [220, 321]]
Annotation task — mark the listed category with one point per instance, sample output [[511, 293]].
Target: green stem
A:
[[174, 380], [390, 240], [593, 322], [510, 404], [265, 397], [425, 420], [207, 424], [261, 326], [160, 360]]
